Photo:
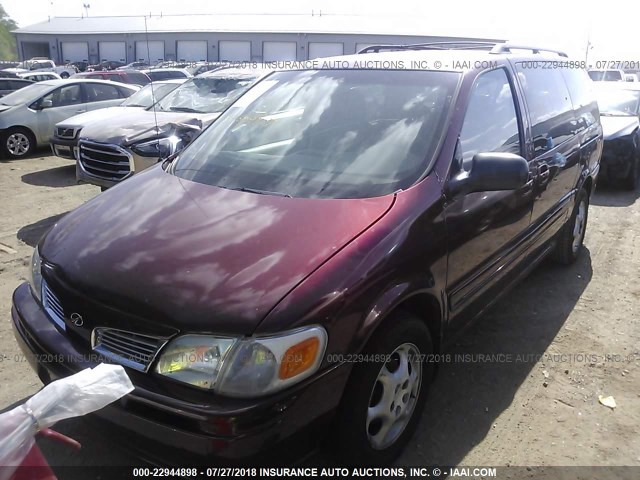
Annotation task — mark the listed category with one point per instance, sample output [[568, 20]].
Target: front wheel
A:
[[18, 143], [572, 234], [385, 396], [64, 75]]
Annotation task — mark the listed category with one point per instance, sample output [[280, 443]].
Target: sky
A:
[[609, 26]]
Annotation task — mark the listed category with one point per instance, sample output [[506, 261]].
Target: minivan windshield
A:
[[25, 95], [325, 134], [207, 94], [618, 102]]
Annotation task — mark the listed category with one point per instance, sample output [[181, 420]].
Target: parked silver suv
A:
[[110, 153]]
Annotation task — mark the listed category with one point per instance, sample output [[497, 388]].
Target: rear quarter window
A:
[[582, 95]]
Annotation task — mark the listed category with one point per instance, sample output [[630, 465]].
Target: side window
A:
[[550, 106], [97, 92], [491, 121], [63, 96], [95, 76], [5, 85], [17, 84], [125, 92], [582, 95]]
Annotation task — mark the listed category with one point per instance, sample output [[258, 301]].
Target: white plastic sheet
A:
[[74, 396]]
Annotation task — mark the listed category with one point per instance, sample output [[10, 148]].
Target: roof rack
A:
[[492, 47], [507, 47], [452, 45]]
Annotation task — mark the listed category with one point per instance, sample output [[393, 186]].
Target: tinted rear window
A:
[[325, 134]]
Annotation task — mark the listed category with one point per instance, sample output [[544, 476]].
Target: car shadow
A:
[[31, 234], [39, 152], [470, 393], [57, 177], [611, 196]]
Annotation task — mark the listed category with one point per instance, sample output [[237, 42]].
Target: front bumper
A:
[[64, 148], [137, 163], [172, 423]]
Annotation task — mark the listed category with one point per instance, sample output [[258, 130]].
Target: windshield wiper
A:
[[184, 109], [262, 192]]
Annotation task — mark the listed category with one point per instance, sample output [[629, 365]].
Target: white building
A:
[[217, 37]]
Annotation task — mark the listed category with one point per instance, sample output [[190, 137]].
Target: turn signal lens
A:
[[299, 357]]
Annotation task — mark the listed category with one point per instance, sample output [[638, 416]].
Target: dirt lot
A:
[[566, 336]]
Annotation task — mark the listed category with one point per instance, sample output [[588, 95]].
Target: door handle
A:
[[543, 171], [80, 111]]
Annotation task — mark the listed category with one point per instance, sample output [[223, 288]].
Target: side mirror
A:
[[491, 172], [45, 103]]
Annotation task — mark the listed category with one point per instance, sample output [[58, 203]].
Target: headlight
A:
[[35, 274], [160, 148], [247, 367]]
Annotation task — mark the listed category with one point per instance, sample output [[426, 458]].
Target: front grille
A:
[[127, 348], [64, 132], [109, 162], [52, 306]]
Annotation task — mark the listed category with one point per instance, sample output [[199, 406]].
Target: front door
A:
[[58, 105], [485, 229]]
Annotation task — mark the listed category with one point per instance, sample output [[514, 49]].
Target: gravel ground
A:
[[521, 387]]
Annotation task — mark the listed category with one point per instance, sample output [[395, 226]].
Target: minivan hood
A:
[[140, 125], [196, 257], [614, 127]]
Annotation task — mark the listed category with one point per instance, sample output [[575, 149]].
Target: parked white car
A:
[[28, 116], [40, 76], [606, 75], [42, 65]]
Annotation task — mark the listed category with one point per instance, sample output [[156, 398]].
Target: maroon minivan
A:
[[296, 266]]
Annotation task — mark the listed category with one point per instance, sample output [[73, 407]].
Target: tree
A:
[[8, 49]]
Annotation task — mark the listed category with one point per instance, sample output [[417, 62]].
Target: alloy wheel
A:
[[18, 144], [394, 395]]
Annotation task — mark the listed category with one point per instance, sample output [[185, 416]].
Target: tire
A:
[[64, 75], [572, 233], [631, 182], [361, 426], [18, 142]]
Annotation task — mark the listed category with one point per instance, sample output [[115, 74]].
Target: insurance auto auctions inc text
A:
[[335, 64], [379, 472]]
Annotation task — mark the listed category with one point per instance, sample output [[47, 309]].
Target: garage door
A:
[[324, 49], [235, 51], [156, 51], [272, 51], [75, 51], [192, 50], [113, 51]]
